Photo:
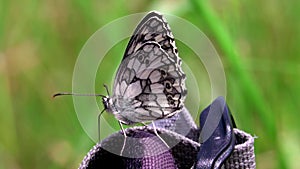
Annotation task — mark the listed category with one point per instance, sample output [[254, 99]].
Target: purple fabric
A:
[[147, 150], [142, 149]]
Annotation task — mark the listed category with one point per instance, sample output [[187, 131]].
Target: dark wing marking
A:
[[149, 85], [154, 28]]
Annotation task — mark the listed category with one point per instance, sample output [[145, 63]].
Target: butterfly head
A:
[[108, 104]]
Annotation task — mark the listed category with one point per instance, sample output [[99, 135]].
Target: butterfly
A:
[[149, 83]]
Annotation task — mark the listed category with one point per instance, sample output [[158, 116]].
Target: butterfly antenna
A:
[[75, 94], [106, 88], [99, 115]]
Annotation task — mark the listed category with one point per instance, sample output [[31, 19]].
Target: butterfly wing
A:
[[153, 28], [149, 87], [149, 83]]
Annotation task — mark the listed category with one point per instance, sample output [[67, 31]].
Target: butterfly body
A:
[[149, 83]]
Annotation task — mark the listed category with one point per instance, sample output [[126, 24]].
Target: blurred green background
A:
[[258, 42]]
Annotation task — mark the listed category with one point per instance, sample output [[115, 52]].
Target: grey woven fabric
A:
[[181, 123], [243, 153], [144, 150], [182, 155]]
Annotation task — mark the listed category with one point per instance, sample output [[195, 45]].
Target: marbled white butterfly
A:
[[149, 83]]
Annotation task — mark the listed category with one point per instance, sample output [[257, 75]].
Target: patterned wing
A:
[[153, 28], [149, 85]]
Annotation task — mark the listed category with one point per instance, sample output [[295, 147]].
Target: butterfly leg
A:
[[155, 131], [124, 133], [99, 115]]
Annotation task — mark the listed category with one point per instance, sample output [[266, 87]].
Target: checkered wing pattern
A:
[[149, 83]]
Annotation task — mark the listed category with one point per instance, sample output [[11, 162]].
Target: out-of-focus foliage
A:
[[258, 42]]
